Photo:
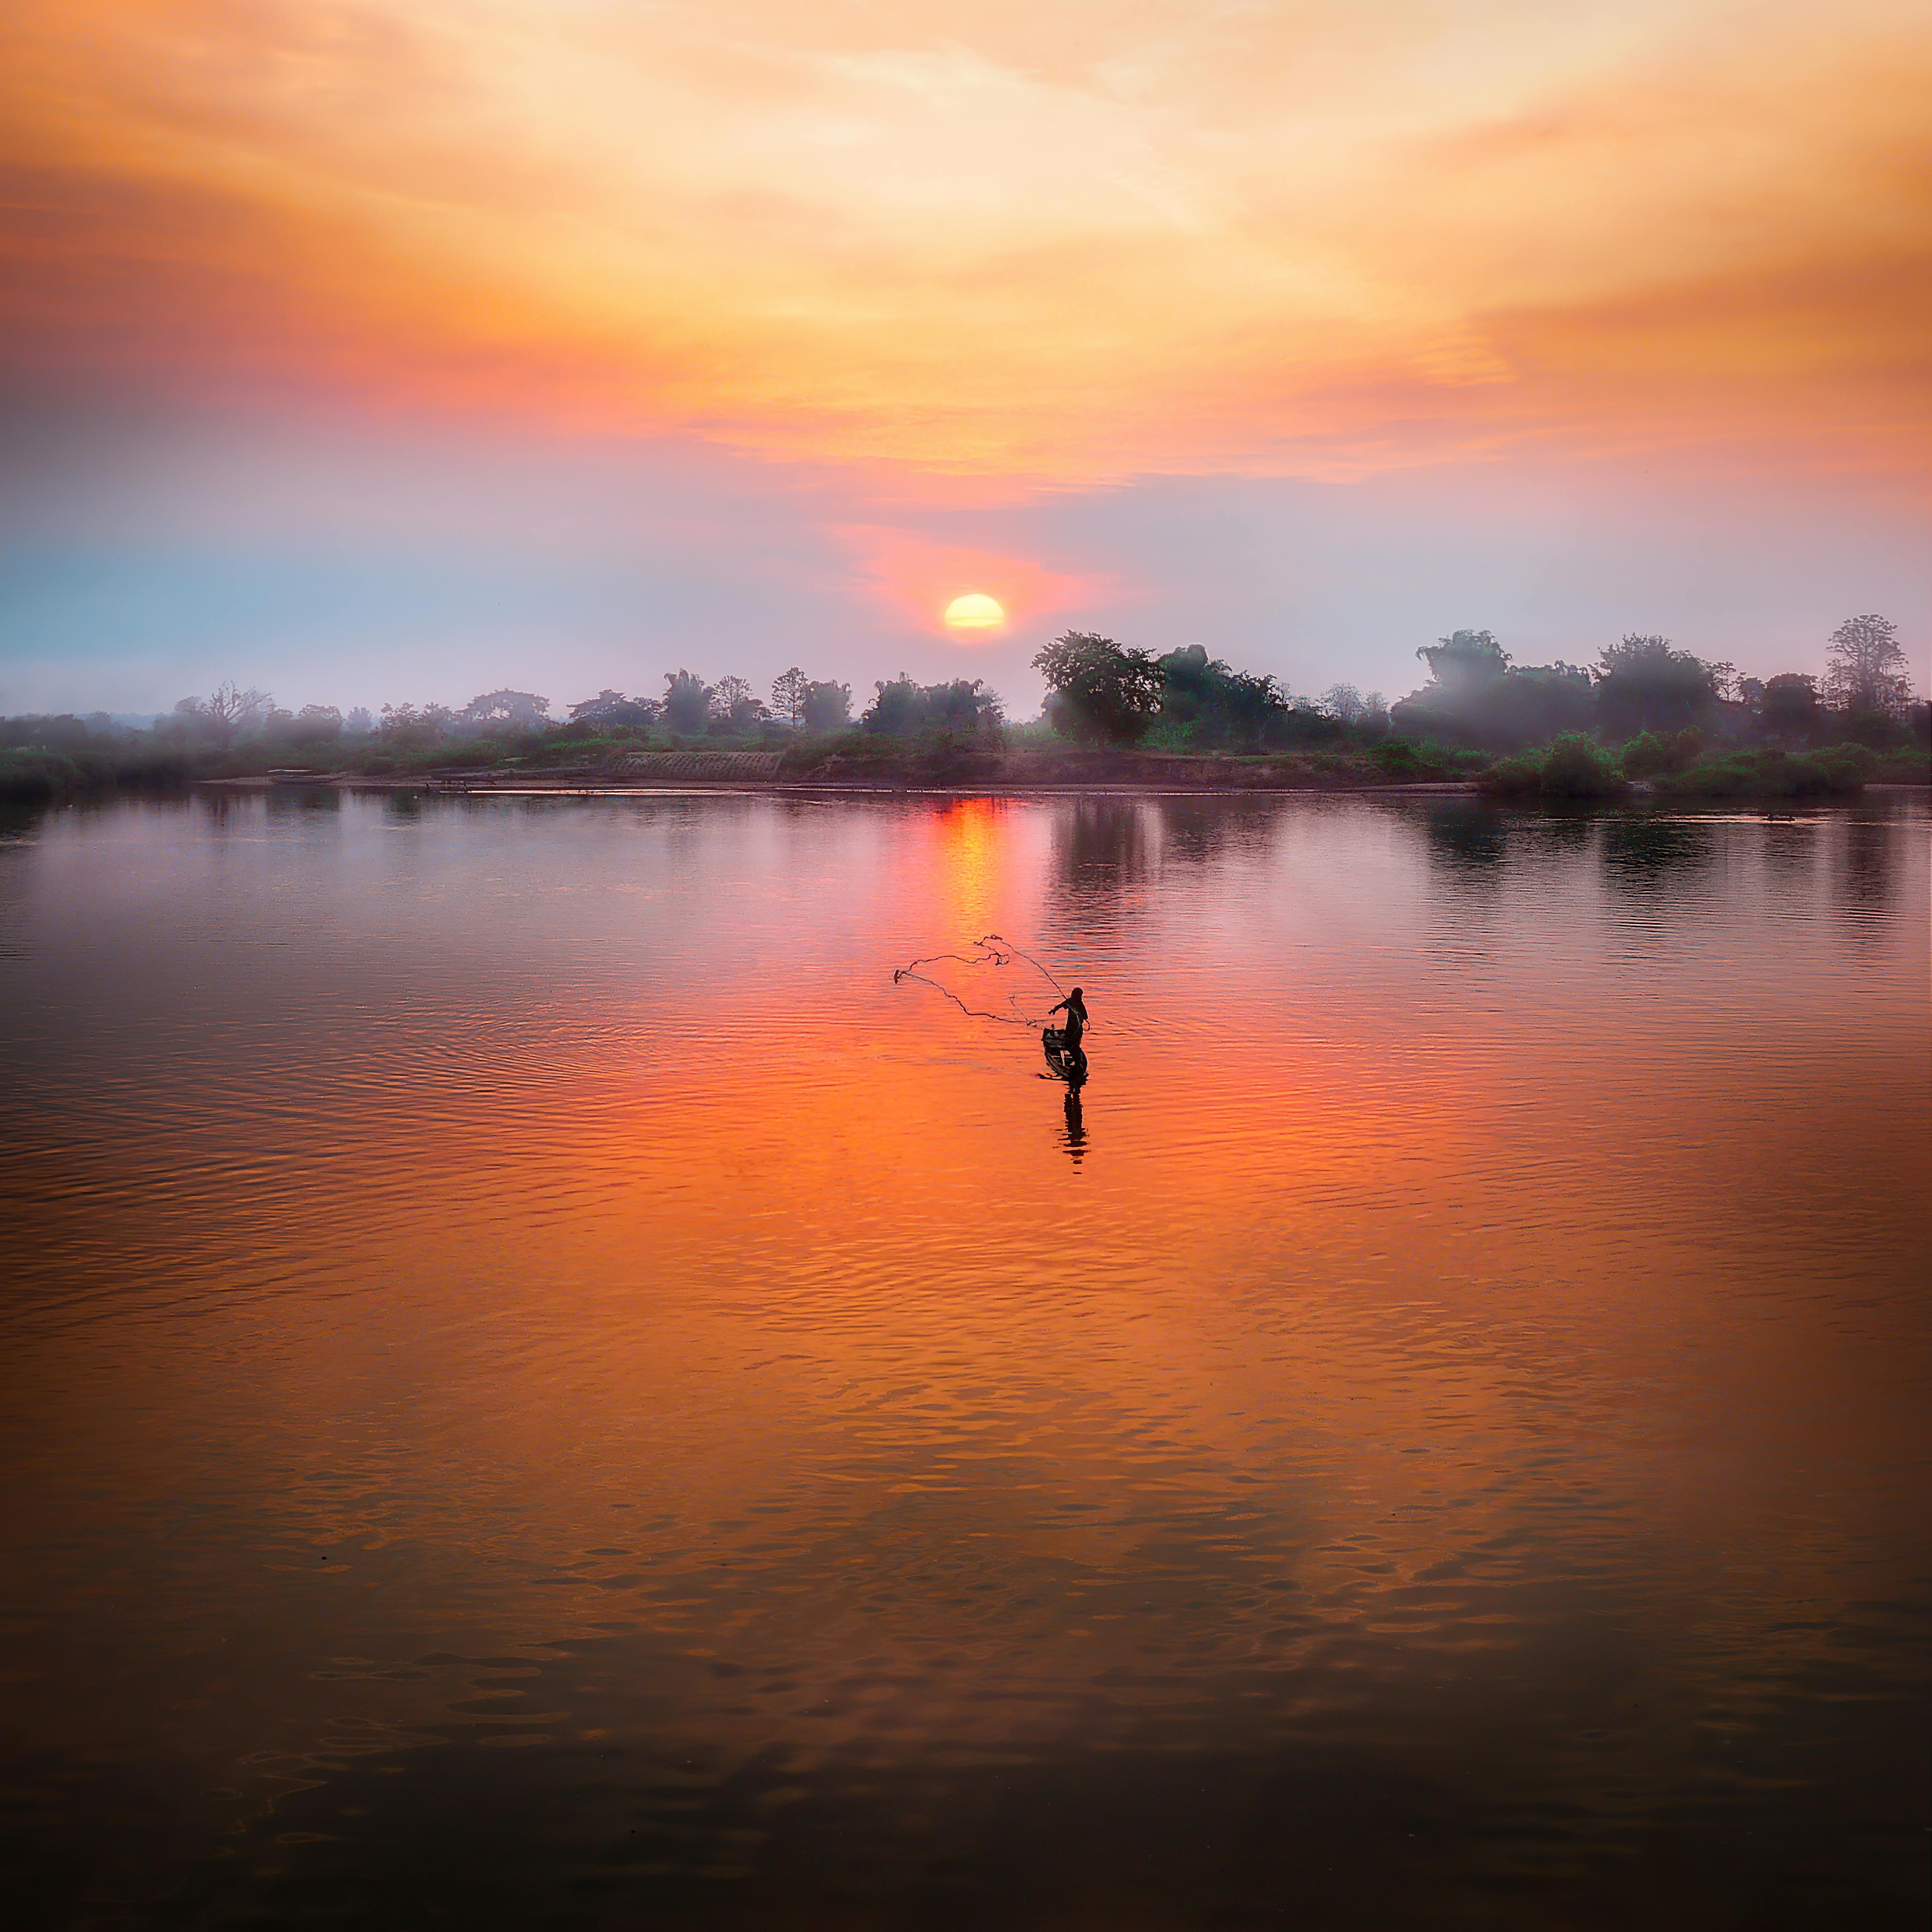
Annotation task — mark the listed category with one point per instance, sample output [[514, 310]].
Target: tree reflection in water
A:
[[1863, 871], [1467, 841], [1103, 850], [1644, 856]]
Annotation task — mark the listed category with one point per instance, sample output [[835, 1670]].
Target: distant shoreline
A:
[[529, 787], [1071, 788]]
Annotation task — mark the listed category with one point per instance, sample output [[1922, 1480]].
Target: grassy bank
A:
[[1838, 773], [1577, 767], [1573, 767], [866, 758]]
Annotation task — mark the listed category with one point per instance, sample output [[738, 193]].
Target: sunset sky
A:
[[377, 349]]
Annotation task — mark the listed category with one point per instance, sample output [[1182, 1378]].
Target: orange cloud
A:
[[1332, 240]]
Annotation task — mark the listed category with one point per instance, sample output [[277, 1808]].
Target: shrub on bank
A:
[[1417, 761], [1911, 766], [1571, 766], [32, 775], [1651, 753], [1838, 772], [27, 778]]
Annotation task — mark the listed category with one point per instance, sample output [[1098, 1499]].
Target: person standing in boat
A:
[[1074, 1007]]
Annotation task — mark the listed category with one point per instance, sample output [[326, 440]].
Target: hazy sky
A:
[[400, 349]]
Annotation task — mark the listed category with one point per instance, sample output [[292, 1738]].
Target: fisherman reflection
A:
[[1076, 1127], [1064, 1053]]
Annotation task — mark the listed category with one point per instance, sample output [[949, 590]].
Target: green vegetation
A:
[[1572, 767], [1651, 752], [32, 774], [1770, 773]]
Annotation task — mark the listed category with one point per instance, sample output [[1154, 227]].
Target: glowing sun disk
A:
[[975, 611]]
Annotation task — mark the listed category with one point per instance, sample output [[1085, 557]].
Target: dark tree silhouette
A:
[[523, 709], [226, 711], [1788, 708], [1218, 705], [1476, 696], [902, 707], [790, 690], [613, 707], [1866, 668], [827, 706], [1466, 658], [1099, 690], [1644, 685], [687, 701]]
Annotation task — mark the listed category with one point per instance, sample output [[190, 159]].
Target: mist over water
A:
[[543, 1389]]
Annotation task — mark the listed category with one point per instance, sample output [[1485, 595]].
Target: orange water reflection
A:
[[1477, 1337]]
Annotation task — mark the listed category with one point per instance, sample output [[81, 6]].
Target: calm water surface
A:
[[543, 1389]]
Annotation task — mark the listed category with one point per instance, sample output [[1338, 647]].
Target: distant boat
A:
[[296, 775]]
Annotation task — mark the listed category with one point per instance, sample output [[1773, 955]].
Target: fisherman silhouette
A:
[[1064, 1053]]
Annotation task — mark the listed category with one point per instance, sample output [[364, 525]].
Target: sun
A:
[[975, 611]]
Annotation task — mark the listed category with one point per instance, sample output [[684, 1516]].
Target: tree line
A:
[[1476, 701], [1477, 698]]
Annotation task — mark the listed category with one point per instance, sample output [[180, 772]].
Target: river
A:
[[545, 1388]]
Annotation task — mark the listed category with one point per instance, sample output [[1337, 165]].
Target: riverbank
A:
[[1393, 767], [990, 773]]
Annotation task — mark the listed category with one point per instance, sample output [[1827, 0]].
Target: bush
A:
[[1840, 771], [1407, 761], [1399, 758], [1519, 777], [1913, 766], [1575, 766], [1571, 766], [1653, 752], [31, 778]]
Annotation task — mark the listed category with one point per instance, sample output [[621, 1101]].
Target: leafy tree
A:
[[613, 708], [965, 704], [1866, 669], [733, 708], [1214, 705], [1788, 708], [314, 725], [827, 706], [902, 707], [1476, 697], [1644, 685], [790, 690], [409, 728], [64, 732], [523, 709], [1099, 690], [359, 724], [1466, 658], [1542, 701], [687, 701], [897, 710]]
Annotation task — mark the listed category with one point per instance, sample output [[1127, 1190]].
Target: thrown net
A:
[[989, 978]]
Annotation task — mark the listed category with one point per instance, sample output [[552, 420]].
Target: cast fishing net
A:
[[989, 978]]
